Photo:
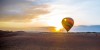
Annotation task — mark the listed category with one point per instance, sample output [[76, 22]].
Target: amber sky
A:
[[40, 13]]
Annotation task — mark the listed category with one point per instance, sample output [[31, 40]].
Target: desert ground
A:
[[50, 41]]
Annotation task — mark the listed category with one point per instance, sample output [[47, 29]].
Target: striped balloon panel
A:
[[67, 23]]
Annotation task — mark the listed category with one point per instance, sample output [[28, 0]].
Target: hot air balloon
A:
[[67, 23]]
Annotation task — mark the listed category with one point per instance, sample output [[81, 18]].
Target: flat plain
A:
[[50, 41]]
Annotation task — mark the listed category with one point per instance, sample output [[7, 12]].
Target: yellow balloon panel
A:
[[67, 23]]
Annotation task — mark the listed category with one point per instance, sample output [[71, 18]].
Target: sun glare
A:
[[54, 18], [55, 22], [57, 29]]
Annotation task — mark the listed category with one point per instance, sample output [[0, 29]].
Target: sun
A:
[[55, 22], [57, 29], [57, 26]]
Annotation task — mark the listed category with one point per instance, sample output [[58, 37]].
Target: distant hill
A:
[[84, 28], [81, 28]]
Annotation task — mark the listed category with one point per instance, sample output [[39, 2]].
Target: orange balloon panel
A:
[[67, 23]]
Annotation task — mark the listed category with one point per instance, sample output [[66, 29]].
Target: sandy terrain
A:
[[50, 41]]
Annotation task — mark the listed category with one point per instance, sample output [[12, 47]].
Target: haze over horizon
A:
[[20, 14]]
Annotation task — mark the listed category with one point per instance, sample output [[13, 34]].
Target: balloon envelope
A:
[[67, 23]]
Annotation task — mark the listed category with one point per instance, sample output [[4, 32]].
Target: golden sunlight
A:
[[55, 22], [54, 18], [57, 29]]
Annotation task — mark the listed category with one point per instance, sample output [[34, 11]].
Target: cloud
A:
[[24, 10], [21, 10]]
